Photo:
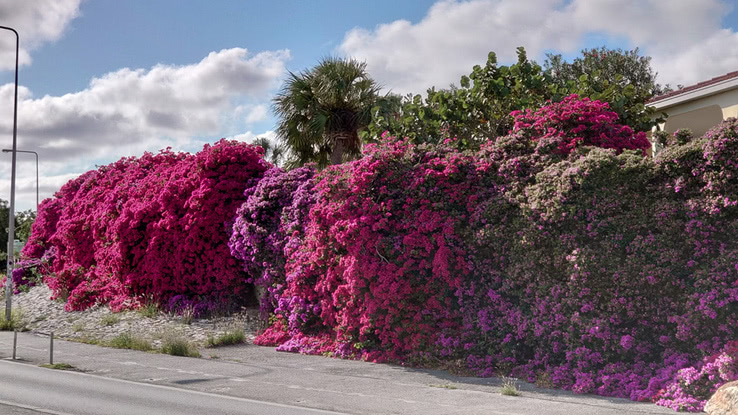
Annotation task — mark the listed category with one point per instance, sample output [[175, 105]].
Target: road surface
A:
[[260, 376], [31, 388]]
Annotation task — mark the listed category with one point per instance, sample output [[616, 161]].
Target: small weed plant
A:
[[59, 366], [510, 387], [110, 320], [130, 341], [177, 346], [15, 322], [228, 338]]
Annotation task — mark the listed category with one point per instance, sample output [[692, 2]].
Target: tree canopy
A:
[[322, 109], [479, 108]]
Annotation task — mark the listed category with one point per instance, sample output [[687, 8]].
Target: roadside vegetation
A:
[[513, 222], [226, 339]]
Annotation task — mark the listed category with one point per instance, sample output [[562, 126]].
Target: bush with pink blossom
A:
[[597, 268], [579, 122], [146, 229]]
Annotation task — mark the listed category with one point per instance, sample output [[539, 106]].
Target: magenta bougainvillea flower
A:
[[558, 253], [148, 229]]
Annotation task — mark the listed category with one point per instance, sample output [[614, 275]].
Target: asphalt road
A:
[[30, 388], [263, 381]]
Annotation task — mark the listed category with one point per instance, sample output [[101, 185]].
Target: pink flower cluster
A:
[[577, 122], [585, 269], [147, 229]]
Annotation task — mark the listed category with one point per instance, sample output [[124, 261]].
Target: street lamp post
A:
[[7, 150], [11, 213]]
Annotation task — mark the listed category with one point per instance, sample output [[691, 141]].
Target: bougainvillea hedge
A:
[[592, 269], [558, 253], [148, 229]]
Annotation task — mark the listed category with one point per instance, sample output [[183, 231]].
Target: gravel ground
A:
[[42, 315]]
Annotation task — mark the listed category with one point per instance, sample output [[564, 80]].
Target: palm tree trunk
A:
[[339, 140]]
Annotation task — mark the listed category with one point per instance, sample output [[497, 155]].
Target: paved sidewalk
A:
[[356, 387]]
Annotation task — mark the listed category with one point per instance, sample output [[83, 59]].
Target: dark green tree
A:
[[322, 110], [479, 109], [623, 78], [23, 222], [274, 153], [476, 111]]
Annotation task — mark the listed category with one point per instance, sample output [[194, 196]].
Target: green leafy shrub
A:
[[130, 341], [227, 338], [177, 346]]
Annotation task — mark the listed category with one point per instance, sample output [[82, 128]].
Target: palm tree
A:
[[273, 153], [321, 111]]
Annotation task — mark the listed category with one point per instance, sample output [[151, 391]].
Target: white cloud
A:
[[455, 35], [130, 111], [250, 136], [256, 114], [713, 56], [37, 22]]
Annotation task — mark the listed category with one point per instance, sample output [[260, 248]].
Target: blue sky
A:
[[103, 79]]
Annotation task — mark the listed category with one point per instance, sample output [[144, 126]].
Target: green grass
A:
[[15, 322], [149, 310], [230, 337], [110, 320], [177, 346], [509, 387], [59, 366], [129, 341]]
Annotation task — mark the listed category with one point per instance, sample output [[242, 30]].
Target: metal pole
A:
[[51, 349], [15, 342], [36, 182], [11, 219], [7, 150]]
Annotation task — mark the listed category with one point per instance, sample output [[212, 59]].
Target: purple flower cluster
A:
[[263, 226]]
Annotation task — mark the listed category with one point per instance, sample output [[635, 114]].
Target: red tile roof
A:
[[702, 84]]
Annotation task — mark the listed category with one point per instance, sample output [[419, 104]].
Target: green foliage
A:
[[149, 310], [177, 346], [59, 366], [275, 153], [110, 320], [23, 222], [227, 338], [15, 322], [129, 341], [479, 108], [322, 109], [683, 135], [509, 387], [624, 79], [476, 111]]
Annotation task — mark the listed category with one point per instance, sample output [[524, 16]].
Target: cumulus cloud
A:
[[250, 136], [37, 22], [130, 111], [256, 114], [455, 35]]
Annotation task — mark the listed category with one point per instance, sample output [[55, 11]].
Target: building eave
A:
[[695, 94]]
